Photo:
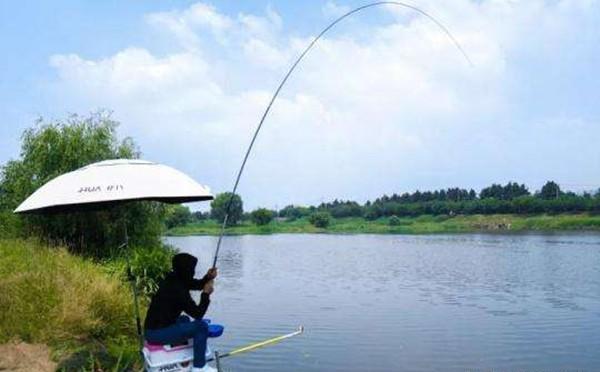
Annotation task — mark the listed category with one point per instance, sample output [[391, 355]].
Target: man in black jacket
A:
[[164, 323]]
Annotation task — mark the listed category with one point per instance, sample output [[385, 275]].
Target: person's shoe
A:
[[206, 368]]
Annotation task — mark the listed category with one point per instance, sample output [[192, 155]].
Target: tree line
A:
[[513, 198]]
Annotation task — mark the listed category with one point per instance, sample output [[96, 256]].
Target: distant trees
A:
[[340, 209], [494, 199], [218, 208], [373, 212], [320, 219], [262, 216], [550, 190], [510, 191], [200, 216], [452, 194], [292, 212], [178, 215]]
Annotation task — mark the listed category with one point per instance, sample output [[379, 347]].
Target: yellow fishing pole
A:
[[258, 345]]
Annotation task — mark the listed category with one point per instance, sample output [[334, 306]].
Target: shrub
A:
[[320, 219], [9, 225], [261, 216], [394, 221], [149, 266], [372, 213], [292, 213]]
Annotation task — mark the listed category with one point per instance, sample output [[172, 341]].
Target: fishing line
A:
[[287, 75]]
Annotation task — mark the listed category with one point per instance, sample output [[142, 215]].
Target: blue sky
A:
[[384, 104]]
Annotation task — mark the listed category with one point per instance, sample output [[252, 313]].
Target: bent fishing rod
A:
[[287, 75]]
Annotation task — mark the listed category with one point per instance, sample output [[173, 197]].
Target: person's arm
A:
[[198, 311], [198, 284]]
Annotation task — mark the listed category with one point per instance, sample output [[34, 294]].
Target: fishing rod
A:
[[256, 345], [287, 75]]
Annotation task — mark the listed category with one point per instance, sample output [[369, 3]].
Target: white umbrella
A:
[[111, 182], [100, 185]]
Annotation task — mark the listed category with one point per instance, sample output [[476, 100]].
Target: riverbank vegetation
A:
[[62, 277], [425, 224], [82, 309], [510, 207]]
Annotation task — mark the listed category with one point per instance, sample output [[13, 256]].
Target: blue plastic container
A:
[[215, 330]]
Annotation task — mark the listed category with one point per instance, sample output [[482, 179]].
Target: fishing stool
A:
[[176, 357]]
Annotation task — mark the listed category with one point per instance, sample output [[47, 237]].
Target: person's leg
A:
[[180, 331], [171, 334], [200, 334], [167, 335]]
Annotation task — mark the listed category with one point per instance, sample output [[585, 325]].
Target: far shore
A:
[[425, 224]]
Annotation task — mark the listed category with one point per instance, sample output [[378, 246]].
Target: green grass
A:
[[210, 227], [425, 224], [78, 307]]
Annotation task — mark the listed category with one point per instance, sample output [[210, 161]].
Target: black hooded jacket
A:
[[173, 295]]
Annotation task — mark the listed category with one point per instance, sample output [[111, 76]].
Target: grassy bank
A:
[[81, 309], [409, 225]]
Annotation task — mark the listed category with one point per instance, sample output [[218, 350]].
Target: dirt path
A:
[[24, 357]]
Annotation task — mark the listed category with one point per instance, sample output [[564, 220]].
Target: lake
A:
[[407, 303]]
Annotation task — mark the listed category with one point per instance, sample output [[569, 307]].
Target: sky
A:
[[383, 104]]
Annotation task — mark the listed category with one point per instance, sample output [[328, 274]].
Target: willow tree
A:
[[51, 148]]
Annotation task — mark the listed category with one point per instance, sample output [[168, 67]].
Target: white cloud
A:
[[382, 112], [186, 25], [333, 9], [135, 72]]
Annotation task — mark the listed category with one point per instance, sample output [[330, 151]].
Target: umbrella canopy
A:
[[110, 182]]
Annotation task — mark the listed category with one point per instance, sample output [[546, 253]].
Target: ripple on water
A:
[[419, 303]]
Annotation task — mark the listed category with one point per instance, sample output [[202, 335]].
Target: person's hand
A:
[[211, 273], [208, 287]]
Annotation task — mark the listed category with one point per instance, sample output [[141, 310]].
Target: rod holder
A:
[[217, 361]]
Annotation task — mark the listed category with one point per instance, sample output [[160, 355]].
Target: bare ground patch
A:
[[22, 357]]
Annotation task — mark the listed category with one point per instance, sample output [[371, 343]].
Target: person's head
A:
[[184, 266]]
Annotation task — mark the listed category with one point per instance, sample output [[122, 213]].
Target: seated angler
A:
[[164, 323]]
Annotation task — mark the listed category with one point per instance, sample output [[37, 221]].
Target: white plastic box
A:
[[167, 358]]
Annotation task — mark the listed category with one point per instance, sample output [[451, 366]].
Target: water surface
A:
[[408, 303]]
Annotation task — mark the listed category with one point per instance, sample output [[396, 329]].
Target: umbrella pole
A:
[[136, 306]]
